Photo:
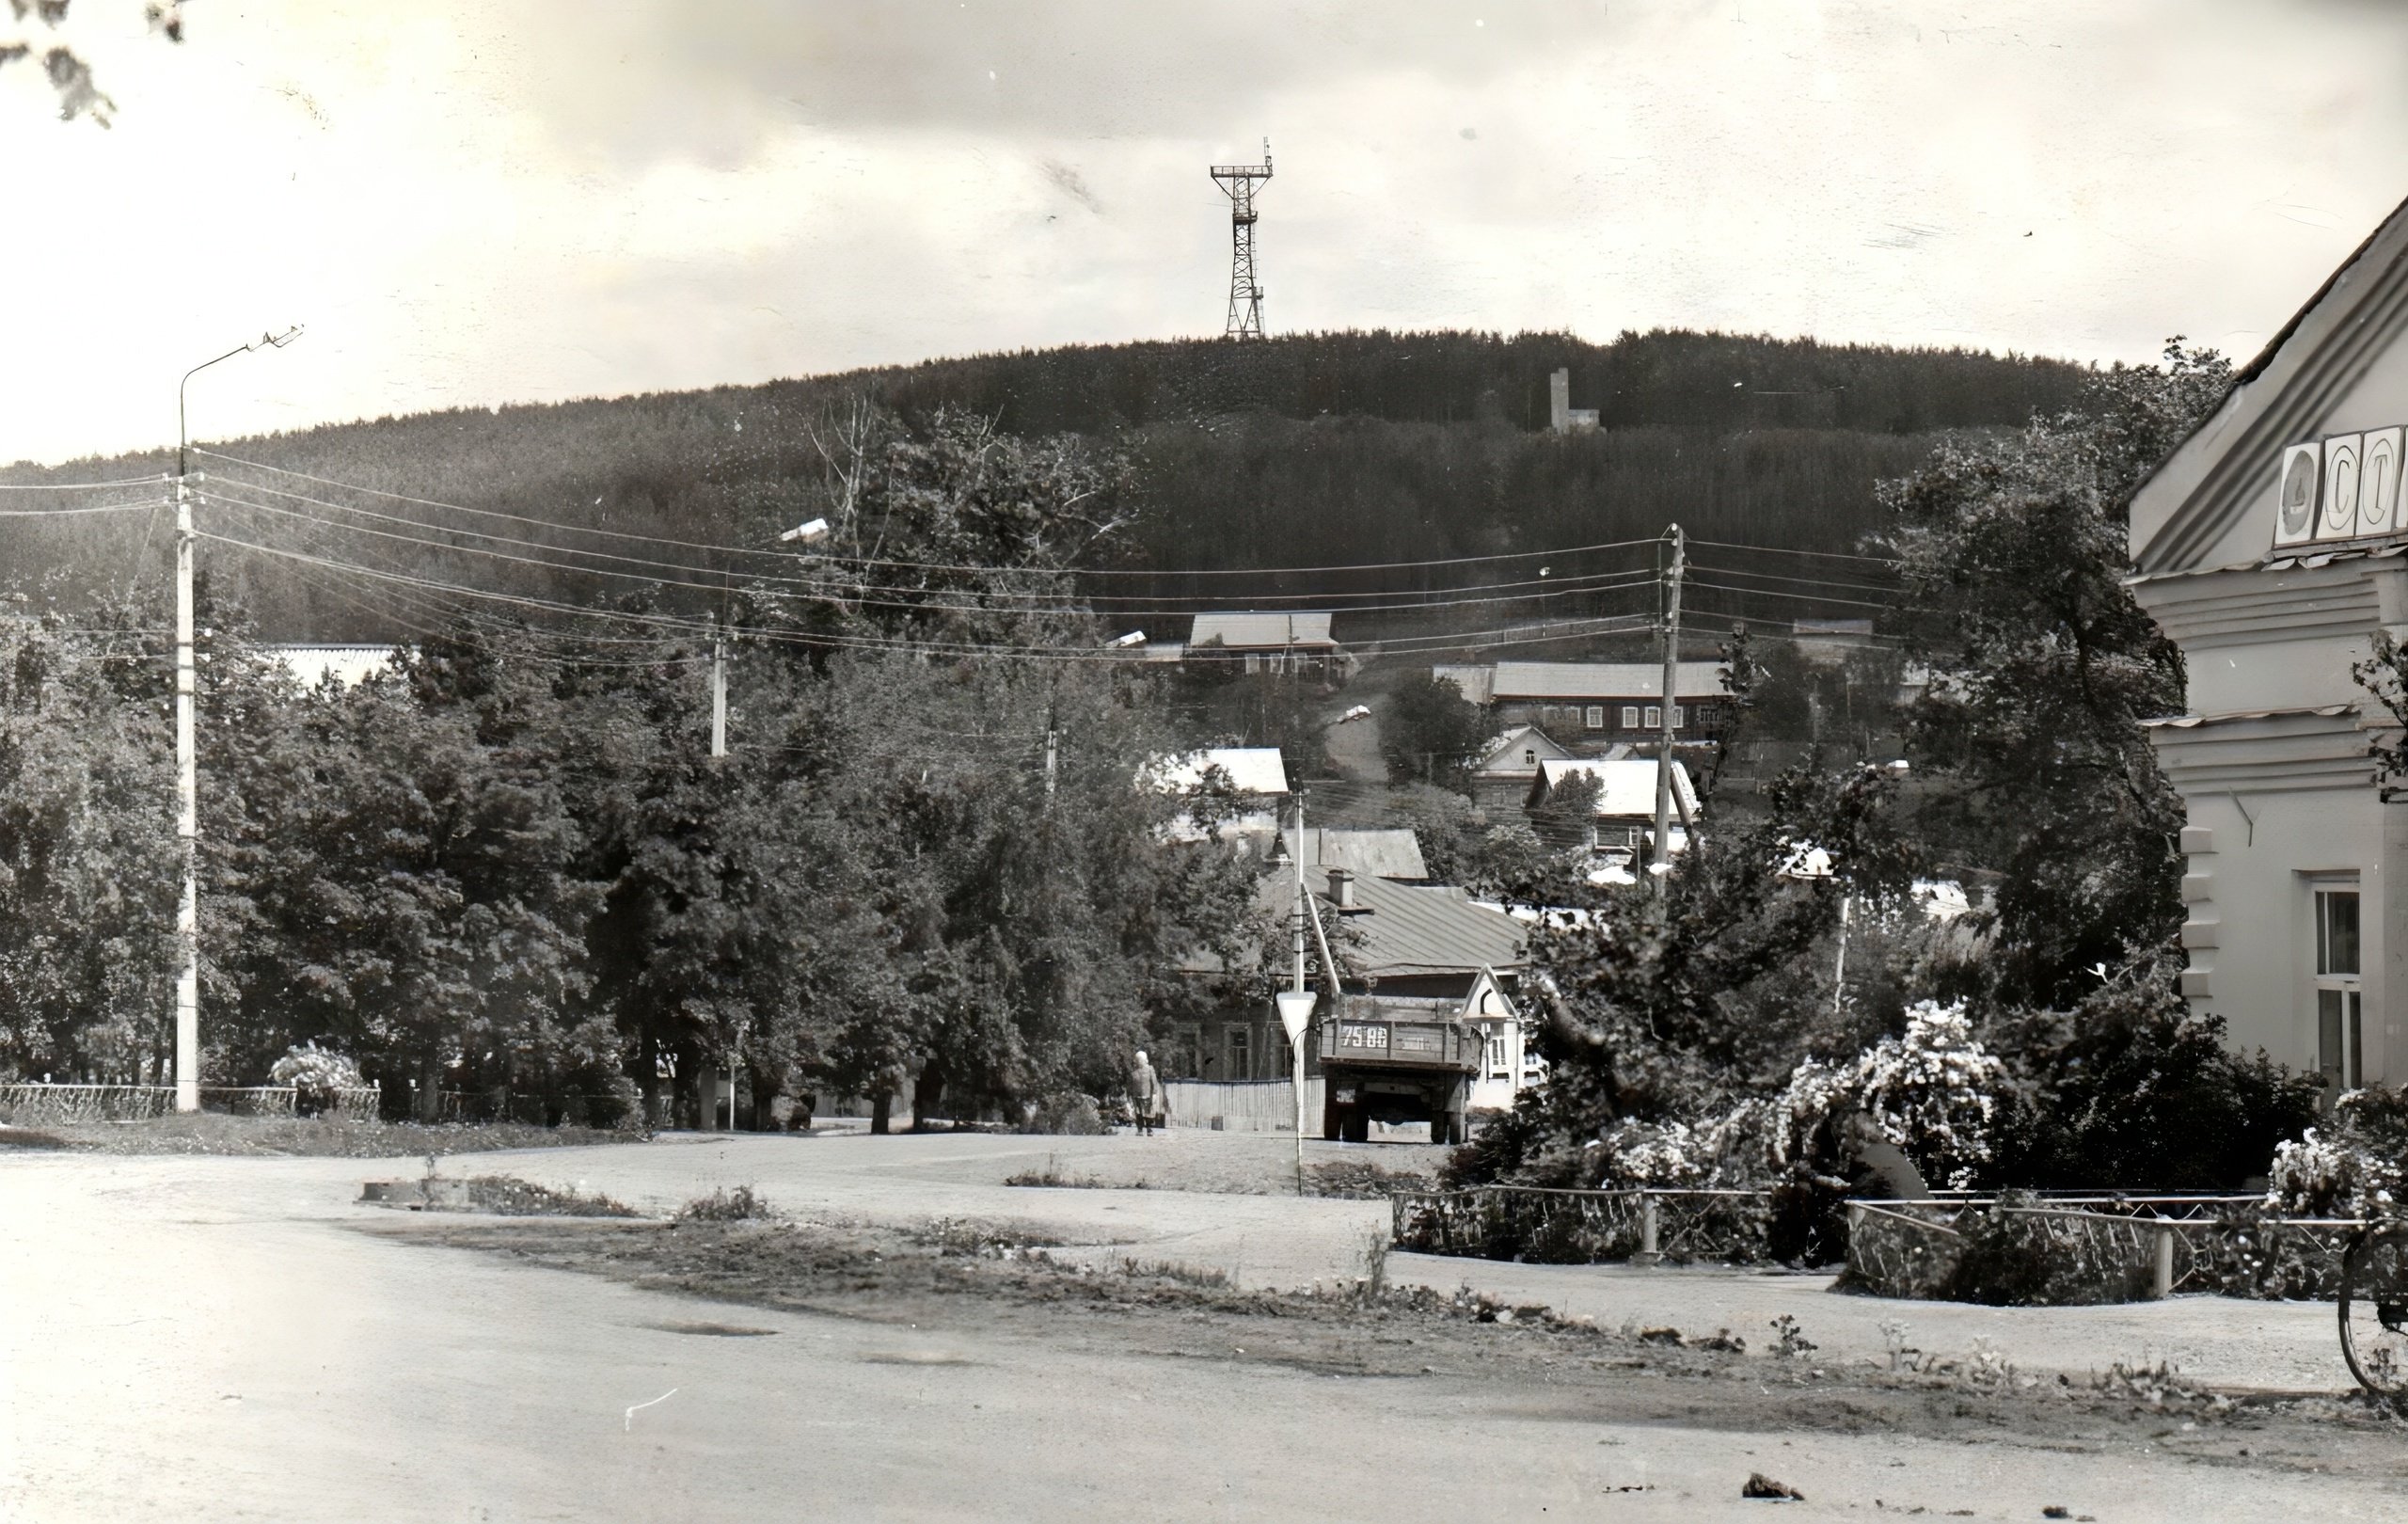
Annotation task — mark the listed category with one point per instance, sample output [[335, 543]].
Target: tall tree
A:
[[2042, 666]]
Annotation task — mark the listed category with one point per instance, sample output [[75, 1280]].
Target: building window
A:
[[1680, 715], [1630, 716], [1240, 1056], [1530, 756], [1655, 716], [1596, 717], [2338, 991]]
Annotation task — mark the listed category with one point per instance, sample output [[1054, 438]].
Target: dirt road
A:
[[198, 1338]]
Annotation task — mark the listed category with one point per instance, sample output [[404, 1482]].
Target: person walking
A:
[[1146, 1097]]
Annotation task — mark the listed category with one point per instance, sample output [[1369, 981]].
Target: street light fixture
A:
[[1123, 643], [188, 752]]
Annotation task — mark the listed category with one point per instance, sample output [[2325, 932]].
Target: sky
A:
[[466, 203]]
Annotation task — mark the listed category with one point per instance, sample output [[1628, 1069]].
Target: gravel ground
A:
[[235, 1338]]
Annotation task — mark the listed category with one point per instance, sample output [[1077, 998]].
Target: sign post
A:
[[1296, 1014]]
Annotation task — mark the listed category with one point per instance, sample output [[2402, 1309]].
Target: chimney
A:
[[1342, 888], [1558, 400]]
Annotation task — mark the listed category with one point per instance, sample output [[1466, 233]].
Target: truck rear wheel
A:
[[1357, 1126], [1439, 1123], [1332, 1119]]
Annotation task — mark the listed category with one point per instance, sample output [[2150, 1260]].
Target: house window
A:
[[1596, 717], [1630, 716], [1655, 716], [1680, 715], [1241, 1054], [2338, 991], [1530, 756]]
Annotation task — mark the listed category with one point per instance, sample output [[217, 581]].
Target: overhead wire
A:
[[1554, 588], [83, 486], [931, 565]]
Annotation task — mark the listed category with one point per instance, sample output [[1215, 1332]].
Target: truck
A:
[[1385, 1067]]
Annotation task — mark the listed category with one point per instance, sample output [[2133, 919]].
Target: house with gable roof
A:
[[2271, 547]]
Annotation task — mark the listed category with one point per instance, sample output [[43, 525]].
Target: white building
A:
[[2271, 546]]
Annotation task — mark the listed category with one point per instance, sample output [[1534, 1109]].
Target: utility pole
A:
[[188, 752], [1297, 1006], [1051, 761], [1663, 856], [719, 688]]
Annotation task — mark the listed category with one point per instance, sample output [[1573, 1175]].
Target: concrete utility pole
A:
[[718, 689], [188, 754], [1663, 856]]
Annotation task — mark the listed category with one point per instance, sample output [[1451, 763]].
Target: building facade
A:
[[2270, 547], [1595, 702]]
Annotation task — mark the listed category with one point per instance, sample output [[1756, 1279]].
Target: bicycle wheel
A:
[[2374, 1309]]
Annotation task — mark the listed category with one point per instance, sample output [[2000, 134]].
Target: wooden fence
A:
[[1258, 1106]]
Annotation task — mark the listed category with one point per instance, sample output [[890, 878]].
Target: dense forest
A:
[[1321, 450]]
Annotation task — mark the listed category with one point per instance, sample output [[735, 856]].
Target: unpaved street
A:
[[198, 1338]]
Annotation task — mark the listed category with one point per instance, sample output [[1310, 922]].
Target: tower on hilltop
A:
[[1245, 297]]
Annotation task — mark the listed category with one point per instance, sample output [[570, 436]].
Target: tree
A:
[[1430, 733], [2013, 553]]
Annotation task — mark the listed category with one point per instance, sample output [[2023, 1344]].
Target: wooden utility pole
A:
[[719, 688], [1661, 865], [187, 812]]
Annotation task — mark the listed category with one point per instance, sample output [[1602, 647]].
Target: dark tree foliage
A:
[[1430, 733], [513, 866], [2042, 667], [2129, 1090], [1321, 450]]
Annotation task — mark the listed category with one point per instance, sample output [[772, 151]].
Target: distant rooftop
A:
[[1252, 769], [349, 665], [1625, 785], [1249, 630], [1516, 681]]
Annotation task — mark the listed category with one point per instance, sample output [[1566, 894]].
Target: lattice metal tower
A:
[[1245, 297]]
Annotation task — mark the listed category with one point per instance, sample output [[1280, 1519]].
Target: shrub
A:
[[316, 1075], [1067, 1113], [2022, 1259], [739, 1205]]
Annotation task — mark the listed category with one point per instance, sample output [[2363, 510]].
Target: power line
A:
[[1552, 587], [1804, 598], [69, 513], [929, 566], [1510, 635], [1785, 550], [80, 486], [1803, 581]]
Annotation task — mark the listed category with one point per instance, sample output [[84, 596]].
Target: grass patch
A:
[[506, 1196], [25, 1137], [739, 1205], [1360, 1180], [209, 1133]]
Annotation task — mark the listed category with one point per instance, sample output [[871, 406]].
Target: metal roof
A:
[[1603, 680], [1250, 631], [349, 665], [1626, 786], [1252, 769], [1503, 759], [1403, 928], [1384, 853]]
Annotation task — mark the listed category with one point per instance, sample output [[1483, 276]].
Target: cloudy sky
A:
[[468, 202]]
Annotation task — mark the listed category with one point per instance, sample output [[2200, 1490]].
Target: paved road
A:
[[190, 1338]]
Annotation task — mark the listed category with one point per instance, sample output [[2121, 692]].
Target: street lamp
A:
[[1123, 643], [188, 752]]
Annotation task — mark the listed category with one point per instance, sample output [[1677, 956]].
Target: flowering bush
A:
[[315, 1074], [1656, 1153], [1930, 1090]]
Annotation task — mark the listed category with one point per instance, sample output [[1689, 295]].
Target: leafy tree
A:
[[2042, 667], [1429, 731]]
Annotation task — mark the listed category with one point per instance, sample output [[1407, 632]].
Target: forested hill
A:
[[1310, 450]]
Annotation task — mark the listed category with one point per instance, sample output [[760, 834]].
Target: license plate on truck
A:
[[1360, 1035]]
